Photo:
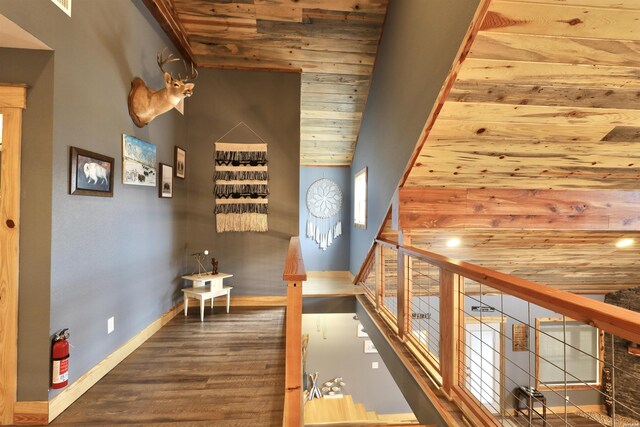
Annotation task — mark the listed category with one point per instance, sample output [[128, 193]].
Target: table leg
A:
[[228, 299], [202, 309], [186, 304]]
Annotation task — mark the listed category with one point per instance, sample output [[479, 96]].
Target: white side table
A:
[[203, 291]]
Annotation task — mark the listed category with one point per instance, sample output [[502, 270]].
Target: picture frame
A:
[[520, 337], [165, 189], [369, 347], [138, 162], [90, 174], [180, 162], [361, 332]]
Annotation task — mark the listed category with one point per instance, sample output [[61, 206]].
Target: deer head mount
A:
[[145, 103]]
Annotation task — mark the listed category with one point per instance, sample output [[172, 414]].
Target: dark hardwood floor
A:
[[227, 371]]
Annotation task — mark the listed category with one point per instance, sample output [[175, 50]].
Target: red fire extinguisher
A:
[[60, 356]]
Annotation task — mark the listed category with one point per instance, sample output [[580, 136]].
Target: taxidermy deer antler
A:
[[145, 104]]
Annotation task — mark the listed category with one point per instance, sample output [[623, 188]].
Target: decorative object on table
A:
[[138, 162], [145, 103], [314, 390], [241, 186], [180, 162], [333, 387], [369, 347], [361, 332], [520, 334], [199, 257], [214, 266], [324, 203], [90, 174], [165, 189]]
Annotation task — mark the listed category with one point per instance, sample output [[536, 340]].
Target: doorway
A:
[[12, 102], [483, 360]]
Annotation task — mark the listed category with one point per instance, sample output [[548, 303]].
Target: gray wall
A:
[[336, 351], [119, 256], [34, 68], [418, 46], [270, 104], [336, 257]]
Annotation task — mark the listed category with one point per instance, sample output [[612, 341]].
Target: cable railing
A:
[[508, 351]]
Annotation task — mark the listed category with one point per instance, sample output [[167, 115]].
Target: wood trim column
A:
[[295, 274], [293, 411], [379, 276], [13, 100], [404, 288], [449, 315]]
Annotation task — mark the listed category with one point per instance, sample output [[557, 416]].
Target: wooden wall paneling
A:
[[164, 12], [14, 100], [562, 20], [545, 49], [332, 42], [510, 71]]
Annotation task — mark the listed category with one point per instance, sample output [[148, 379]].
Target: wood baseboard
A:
[[250, 301], [34, 413], [69, 395]]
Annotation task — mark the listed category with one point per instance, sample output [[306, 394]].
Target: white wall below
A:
[[336, 351]]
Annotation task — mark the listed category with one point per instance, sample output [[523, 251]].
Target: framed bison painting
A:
[[138, 162], [90, 174]]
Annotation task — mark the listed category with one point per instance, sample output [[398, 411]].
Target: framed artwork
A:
[[180, 162], [138, 162], [90, 174], [520, 337], [361, 331], [166, 181], [369, 347]]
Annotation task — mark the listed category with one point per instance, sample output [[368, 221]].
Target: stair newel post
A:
[[404, 287], [449, 329], [294, 275]]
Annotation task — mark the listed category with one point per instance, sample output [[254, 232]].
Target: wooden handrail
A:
[[294, 274], [294, 265], [616, 320]]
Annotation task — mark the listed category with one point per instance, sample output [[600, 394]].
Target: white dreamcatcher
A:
[[324, 202]]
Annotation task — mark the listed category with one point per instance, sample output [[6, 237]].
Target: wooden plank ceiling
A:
[[333, 43], [534, 158]]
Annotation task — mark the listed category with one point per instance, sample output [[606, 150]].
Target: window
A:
[[582, 351], [360, 199]]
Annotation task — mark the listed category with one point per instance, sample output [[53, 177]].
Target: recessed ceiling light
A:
[[624, 243], [453, 242]]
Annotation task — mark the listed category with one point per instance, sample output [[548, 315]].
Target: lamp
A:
[[200, 256]]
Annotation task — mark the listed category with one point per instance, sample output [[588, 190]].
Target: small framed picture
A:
[[166, 181], [369, 347], [361, 332], [90, 174], [180, 162]]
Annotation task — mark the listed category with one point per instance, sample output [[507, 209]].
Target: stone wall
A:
[[627, 365]]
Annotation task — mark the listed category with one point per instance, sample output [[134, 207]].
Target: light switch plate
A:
[[374, 365], [110, 325]]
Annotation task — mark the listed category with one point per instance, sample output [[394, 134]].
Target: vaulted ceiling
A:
[[532, 157], [332, 42], [531, 154]]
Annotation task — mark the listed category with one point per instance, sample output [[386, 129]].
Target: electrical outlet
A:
[[110, 325], [374, 365]]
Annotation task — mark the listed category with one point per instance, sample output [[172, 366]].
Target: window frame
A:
[[356, 178], [571, 385]]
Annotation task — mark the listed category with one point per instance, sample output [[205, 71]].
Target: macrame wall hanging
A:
[[324, 203], [241, 186]]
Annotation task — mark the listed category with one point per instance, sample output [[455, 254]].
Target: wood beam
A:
[[515, 209], [164, 12]]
